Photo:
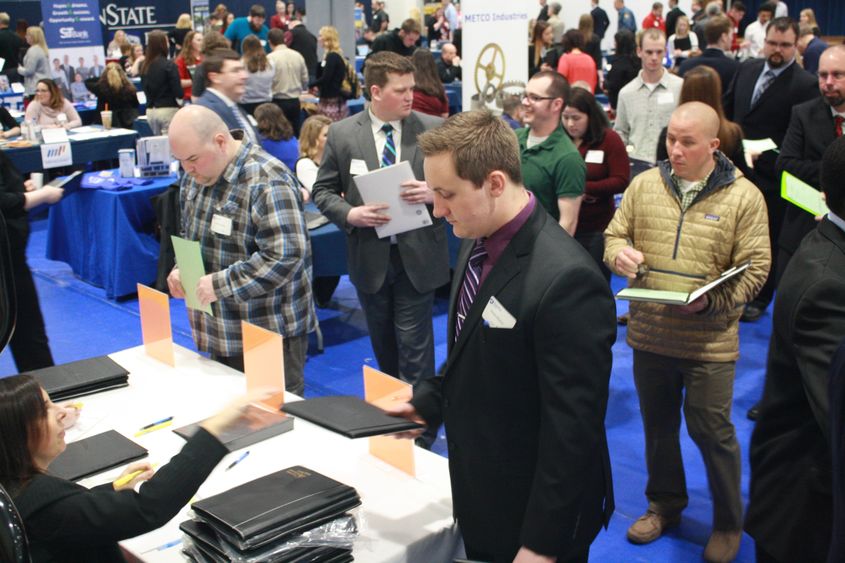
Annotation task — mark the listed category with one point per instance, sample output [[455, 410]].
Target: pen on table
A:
[[126, 479], [163, 423], [169, 544], [237, 461]]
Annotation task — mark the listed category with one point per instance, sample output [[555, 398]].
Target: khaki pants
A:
[[705, 391]]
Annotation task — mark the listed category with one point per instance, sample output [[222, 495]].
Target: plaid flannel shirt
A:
[[261, 272]]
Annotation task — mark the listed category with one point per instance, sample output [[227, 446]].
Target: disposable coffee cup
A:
[[106, 117], [37, 180]]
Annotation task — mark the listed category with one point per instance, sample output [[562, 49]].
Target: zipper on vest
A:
[[674, 273], [678, 235]]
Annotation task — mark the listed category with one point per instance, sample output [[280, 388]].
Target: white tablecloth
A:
[[404, 518]]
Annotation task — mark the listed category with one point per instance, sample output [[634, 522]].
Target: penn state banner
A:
[[75, 40], [495, 51]]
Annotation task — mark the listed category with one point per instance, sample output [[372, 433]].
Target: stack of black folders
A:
[[293, 515], [84, 377]]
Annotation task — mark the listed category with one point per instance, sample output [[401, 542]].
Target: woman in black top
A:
[[330, 75], [29, 344], [160, 80], [65, 521], [116, 94], [592, 42], [624, 66], [10, 125]]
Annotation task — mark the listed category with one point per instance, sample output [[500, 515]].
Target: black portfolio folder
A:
[[277, 505], [349, 416], [84, 377], [254, 426], [212, 546], [95, 454]]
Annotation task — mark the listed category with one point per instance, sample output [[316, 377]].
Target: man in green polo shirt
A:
[[552, 168]]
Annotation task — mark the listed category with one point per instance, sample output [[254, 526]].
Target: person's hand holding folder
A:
[[235, 410], [368, 215], [417, 191], [174, 284], [696, 306], [408, 412]]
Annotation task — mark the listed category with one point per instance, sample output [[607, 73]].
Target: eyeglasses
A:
[[41, 90], [836, 75], [534, 98], [776, 45]]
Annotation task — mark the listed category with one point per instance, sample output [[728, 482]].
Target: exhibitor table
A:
[[403, 518], [92, 145]]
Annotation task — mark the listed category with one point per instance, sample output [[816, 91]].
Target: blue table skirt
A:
[[107, 236], [90, 150]]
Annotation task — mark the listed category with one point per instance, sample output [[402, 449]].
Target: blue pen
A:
[[237, 461], [156, 423], [168, 545]]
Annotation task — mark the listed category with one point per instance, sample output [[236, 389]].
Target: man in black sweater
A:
[[402, 40]]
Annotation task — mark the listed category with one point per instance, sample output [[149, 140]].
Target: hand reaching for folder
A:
[[236, 410], [406, 411]]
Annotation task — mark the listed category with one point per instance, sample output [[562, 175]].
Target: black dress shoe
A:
[[754, 412], [752, 312]]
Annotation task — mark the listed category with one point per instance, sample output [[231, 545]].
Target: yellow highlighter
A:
[[126, 479]]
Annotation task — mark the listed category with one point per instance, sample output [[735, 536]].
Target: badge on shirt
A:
[[358, 167], [594, 157], [665, 98], [497, 316], [221, 225]]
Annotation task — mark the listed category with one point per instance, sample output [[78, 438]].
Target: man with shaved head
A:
[[245, 209], [680, 225]]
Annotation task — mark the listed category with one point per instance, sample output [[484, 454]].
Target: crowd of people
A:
[[534, 194]]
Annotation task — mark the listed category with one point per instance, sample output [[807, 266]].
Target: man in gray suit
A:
[[395, 277]]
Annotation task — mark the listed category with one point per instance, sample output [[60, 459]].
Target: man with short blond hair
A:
[[686, 221], [517, 263]]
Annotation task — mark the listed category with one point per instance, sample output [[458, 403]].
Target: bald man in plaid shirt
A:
[[245, 209]]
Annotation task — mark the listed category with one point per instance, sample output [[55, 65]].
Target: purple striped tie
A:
[[470, 286]]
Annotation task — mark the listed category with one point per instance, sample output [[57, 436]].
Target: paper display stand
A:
[[153, 156]]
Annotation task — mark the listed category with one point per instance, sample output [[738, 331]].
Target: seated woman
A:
[[117, 94], [65, 521], [277, 134], [312, 143], [50, 109]]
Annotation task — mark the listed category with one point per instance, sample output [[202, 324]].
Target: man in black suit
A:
[[837, 442], [790, 503], [813, 127], [395, 277], [758, 99], [718, 32], [225, 77], [600, 20], [672, 17], [10, 46], [305, 43], [524, 388]]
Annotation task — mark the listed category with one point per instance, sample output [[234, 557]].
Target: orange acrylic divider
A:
[[383, 391], [264, 362], [155, 324]]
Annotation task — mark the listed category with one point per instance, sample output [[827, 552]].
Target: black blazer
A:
[[769, 118], [715, 59], [811, 131], [68, 523], [837, 440], [524, 407], [789, 510]]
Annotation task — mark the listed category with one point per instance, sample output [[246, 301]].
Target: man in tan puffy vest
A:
[[681, 224]]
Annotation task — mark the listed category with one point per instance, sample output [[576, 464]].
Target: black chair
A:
[[13, 545]]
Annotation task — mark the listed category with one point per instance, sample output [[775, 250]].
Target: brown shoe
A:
[[622, 320], [723, 546], [651, 526]]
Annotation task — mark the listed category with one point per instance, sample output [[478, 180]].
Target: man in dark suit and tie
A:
[[524, 389], [758, 99], [225, 77], [718, 31], [395, 277], [813, 127], [600, 19], [790, 503]]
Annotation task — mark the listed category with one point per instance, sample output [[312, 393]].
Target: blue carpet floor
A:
[[82, 323]]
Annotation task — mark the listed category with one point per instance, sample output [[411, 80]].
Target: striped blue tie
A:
[[470, 286], [388, 156]]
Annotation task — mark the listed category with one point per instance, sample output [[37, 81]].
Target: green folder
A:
[[679, 297], [191, 269], [802, 194]]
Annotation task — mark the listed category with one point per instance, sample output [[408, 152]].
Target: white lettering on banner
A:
[[113, 15], [70, 33]]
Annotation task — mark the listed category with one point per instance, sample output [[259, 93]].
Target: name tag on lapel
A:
[[221, 225], [497, 316], [358, 167]]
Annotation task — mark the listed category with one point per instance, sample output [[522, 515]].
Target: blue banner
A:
[[74, 23]]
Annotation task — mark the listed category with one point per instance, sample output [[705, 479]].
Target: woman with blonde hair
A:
[[312, 142], [330, 74], [682, 44], [592, 42], [50, 109], [260, 72], [808, 16], [541, 41], [36, 62], [117, 94], [177, 35]]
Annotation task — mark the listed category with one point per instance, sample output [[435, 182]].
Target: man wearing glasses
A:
[[759, 99], [552, 168]]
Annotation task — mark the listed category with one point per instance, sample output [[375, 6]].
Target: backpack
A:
[[350, 88]]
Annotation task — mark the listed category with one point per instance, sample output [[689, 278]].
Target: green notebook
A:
[[802, 194], [678, 297], [191, 269]]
